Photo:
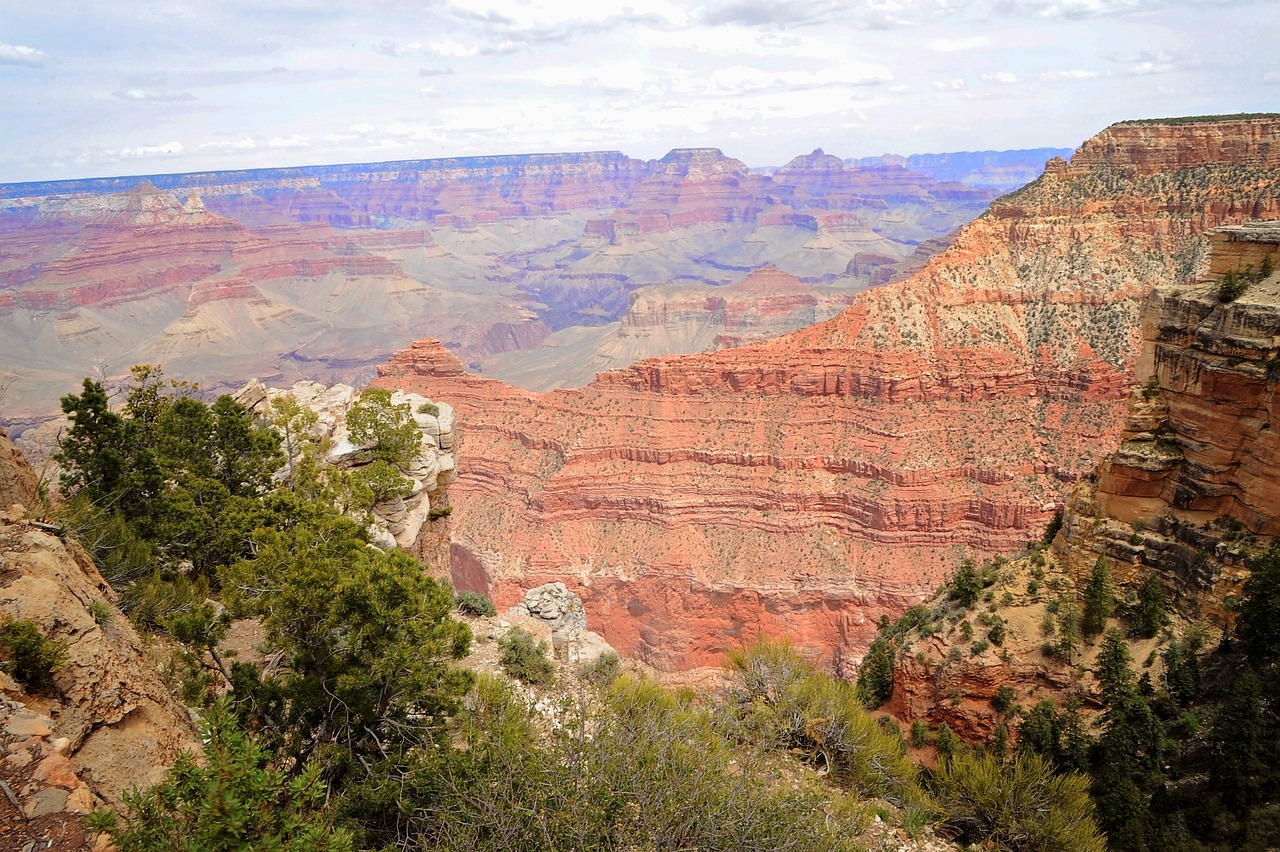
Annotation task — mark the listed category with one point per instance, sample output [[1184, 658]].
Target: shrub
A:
[[429, 408], [1021, 805], [230, 800], [783, 702], [435, 513], [919, 733], [875, 675], [101, 612], [474, 604], [525, 660], [966, 585], [604, 669], [1003, 700], [28, 655], [1232, 286]]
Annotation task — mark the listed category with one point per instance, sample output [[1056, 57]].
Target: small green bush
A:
[[28, 655], [101, 611], [429, 408], [919, 733], [477, 605], [603, 670], [525, 660], [1022, 805], [435, 513]]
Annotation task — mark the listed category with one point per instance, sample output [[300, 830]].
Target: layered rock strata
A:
[[809, 485], [321, 273], [1195, 484]]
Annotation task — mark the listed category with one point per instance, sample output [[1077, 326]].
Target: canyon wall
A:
[[1187, 495], [808, 485], [1195, 484]]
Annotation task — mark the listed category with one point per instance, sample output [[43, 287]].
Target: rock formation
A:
[[1195, 483], [808, 485], [1187, 496], [114, 723], [418, 522], [565, 617]]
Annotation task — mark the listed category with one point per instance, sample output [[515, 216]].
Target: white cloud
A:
[[449, 47], [953, 84], [244, 144], [168, 149], [951, 45], [1075, 74], [1004, 78], [18, 54], [152, 95], [294, 141]]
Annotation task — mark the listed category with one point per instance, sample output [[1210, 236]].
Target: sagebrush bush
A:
[[524, 659], [784, 702], [28, 655], [477, 605], [1022, 805]]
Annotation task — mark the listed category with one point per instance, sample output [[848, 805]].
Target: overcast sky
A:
[[134, 86]]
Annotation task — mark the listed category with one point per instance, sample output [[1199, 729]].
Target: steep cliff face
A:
[[1188, 493], [1194, 486], [810, 484]]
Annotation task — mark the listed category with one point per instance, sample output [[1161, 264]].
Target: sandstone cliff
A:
[[1187, 496], [809, 485], [111, 720], [1195, 483]]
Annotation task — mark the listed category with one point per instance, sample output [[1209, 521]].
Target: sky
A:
[[91, 88]]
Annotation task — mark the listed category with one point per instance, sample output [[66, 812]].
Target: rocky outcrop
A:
[[418, 522], [114, 722], [1192, 489], [808, 485], [17, 479], [563, 615]]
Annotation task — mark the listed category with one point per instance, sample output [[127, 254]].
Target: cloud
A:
[[434, 72], [1070, 9], [152, 95], [951, 45], [294, 141], [449, 47], [168, 149], [18, 54], [1074, 74], [1002, 77], [244, 144], [952, 85]]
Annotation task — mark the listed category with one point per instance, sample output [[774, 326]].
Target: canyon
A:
[[812, 484], [526, 266]]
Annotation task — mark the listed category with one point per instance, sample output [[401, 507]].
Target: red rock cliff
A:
[[810, 484]]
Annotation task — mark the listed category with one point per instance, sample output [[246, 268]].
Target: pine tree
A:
[[1099, 600], [1149, 616], [1115, 678]]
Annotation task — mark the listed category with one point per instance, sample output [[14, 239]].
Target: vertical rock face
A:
[[808, 485], [1195, 483]]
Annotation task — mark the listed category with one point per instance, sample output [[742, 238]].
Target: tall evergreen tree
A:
[[1099, 599]]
